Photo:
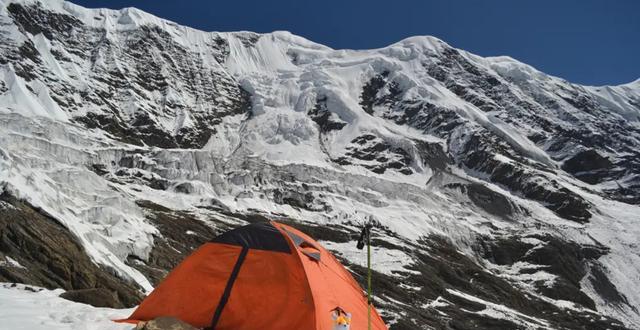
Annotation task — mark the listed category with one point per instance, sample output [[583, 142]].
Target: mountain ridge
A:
[[69, 7], [131, 135]]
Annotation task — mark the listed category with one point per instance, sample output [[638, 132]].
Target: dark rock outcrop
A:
[[326, 120], [98, 297], [377, 155], [588, 166], [569, 261], [52, 257], [488, 200], [180, 234]]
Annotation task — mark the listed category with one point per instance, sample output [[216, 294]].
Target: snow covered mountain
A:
[[505, 198]]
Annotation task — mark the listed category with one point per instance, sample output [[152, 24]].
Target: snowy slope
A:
[[103, 112], [26, 307]]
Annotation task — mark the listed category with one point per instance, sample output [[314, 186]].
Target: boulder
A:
[[98, 297], [164, 323]]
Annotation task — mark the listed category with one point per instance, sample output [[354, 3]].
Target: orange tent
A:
[[261, 276]]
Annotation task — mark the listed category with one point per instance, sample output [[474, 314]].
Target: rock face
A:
[[168, 112], [588, 166], [503, 198], [47, 255]]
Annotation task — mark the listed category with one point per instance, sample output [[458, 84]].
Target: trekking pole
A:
[[365, 238], [369, 302]]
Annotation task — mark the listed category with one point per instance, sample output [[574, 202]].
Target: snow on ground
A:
[[524, 273], [383, 260], [10, 262], [497, 311], [31, 308], [617, 227]]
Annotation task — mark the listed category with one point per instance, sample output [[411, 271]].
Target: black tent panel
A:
[[260, 236]]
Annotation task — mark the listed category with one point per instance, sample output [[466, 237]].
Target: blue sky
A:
[[593, 42]]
